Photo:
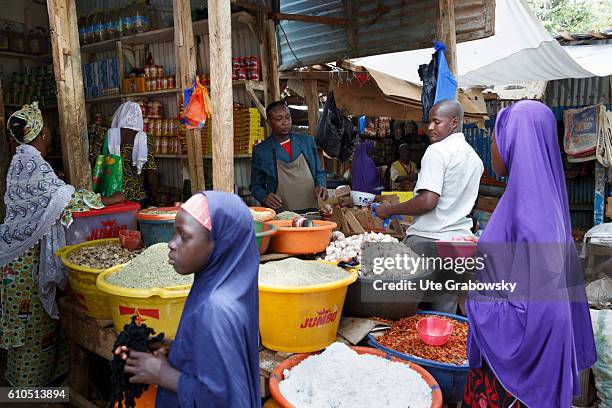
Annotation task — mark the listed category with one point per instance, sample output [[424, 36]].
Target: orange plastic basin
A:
[[277, 375], [301, 240], [266, 213]]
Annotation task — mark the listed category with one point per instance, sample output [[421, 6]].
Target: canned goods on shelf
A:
[[171, 82], [160, 71]]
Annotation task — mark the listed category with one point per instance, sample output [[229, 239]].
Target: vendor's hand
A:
[[321, 192], [123, 352], [161, 349], [145, 368], [273, 201], [114, 199], [383, 211]]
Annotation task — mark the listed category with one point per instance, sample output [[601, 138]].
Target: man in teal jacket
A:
[[286, 173]]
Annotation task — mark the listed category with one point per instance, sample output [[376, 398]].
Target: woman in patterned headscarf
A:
[[38, 207], [126, 138]]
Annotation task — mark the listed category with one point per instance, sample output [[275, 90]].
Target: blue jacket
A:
[[264, 179]]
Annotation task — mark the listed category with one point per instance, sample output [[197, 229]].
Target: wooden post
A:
[[4, 154], [70, 97], [311, 95], [186, 67], [447, 34], [274, 61], [220, 37]]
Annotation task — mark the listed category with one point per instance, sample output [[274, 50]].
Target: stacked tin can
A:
[[246, 68]]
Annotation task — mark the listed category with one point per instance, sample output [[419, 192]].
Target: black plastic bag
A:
[[428, 74], [335, 132]]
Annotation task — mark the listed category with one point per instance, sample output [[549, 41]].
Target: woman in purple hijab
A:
[[364, 174], [527, 345]]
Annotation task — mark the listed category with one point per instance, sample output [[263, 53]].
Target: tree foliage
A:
[[573, 16]]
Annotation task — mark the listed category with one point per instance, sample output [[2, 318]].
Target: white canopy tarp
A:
[[521, 50]]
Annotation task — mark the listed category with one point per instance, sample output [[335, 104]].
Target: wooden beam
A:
[[186, 67], [220, 37], [311, 95], [4, 154], [304, 75], [70, 97], [447, 33], [333, 21], [274, 61]]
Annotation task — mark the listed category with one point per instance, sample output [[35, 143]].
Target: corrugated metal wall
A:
[[578, 92], [480, 140], [378, 27]]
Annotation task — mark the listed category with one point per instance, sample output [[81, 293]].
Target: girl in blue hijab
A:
[[214, 358]]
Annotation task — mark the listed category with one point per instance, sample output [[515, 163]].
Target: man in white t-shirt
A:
[[446, 190]]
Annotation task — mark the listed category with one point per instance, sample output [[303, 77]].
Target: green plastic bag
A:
[[107, 177]]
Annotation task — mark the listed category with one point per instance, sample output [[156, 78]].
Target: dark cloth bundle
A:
[[137, 338]]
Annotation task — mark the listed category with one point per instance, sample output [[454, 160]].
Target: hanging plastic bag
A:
[[197, 107], [107, 177], [446, 84], [438, 82], [335, 132]]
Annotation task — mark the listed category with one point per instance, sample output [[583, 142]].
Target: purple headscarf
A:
[[364, 174], [537, 338]]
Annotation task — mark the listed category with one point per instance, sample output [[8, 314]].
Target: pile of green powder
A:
[[295, 272], [150, 269]]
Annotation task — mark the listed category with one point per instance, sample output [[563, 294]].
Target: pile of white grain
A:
[[295, 272], [339, 377]]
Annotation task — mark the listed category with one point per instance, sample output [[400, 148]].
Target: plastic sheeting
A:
[[520, 50]]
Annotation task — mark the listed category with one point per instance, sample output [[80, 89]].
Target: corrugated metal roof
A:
[[378, 27]]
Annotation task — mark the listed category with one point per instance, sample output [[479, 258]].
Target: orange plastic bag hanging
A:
[[198, 107]]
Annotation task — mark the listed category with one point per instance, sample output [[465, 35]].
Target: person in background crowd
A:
[[365, 176], [127, 139], [446, 190], [403, 171], [286, 173], [526, 348], [38, 208], [214, 358]]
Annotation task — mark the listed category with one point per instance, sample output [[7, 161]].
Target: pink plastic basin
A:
[[434, 331], [457, 248]]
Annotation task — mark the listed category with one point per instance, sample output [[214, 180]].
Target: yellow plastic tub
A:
[[403, 195], [158, 308], [301, 319], [83, 280]]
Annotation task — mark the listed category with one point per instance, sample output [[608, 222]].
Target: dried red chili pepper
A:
[[403, 337]]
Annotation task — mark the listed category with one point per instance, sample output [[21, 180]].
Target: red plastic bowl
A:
[[130, 239], [434, 331]]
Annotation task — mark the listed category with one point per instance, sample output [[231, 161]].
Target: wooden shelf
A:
[[17, 106], [257, 85], [162, 35], [206, 156], [21, 56], [104, 99]]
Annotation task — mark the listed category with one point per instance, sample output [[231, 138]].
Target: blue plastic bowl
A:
[[156, 231], [450, 377]]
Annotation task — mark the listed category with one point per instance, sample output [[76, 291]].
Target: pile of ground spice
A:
[[403, 337], [150, 270], [295, 272]]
